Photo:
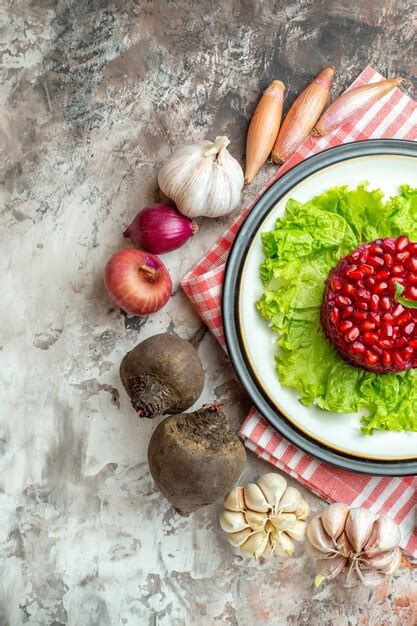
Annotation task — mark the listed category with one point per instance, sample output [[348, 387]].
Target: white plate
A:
[[338, 431]]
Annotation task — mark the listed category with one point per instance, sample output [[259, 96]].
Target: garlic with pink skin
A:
[[265, 518], [353, 542]]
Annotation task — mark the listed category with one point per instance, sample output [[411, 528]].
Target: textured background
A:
[[95, 95]]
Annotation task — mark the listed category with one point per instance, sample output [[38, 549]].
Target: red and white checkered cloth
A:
[[395, 116]]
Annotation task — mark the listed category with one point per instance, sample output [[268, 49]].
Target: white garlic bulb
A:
[[203, 179], [354, 542], [265, 518]]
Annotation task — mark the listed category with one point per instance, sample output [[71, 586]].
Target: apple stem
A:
[[150, 272]]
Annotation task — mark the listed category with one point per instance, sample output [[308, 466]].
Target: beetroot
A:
[[163, 374], [195, 458], [360, 313]]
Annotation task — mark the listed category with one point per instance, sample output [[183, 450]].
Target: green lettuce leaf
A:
[[299, 253]]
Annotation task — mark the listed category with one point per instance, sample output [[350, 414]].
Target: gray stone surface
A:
[[95, 95]]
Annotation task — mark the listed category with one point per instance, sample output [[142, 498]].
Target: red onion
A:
[[137, 281], [160, 228]]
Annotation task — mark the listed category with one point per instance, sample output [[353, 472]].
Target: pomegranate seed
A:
[[398, 310], [402, 243], [411, 292], [386, 359], [370, 357], [363, 293], [380, 287], [367, 326], [413, 248], [335, 315], [389, 244], [374, 302], [358, 315], [388, 330], [413, 343], [412, 278], [387, 317], [398, 358], [364, 255], [370, 282], [400, 342], [336, 284], [407, 352], [385, 303], [404, 319], [386, 344], [345, 326], [347, 312], [353, 334], [362, 305], [409, 328], [368, 269], [353, 272], [369, 338], [358, 347], [397, 270], [395, 332], [382, 275], [349, 290], [375, 249], [375, 261], [412, 265], [403, 256], [355, 255], [343, 300], [387, 260]]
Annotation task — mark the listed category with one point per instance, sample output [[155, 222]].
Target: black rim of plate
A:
[[230, 298]]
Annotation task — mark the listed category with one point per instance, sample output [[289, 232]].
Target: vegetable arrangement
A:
[[196, 458], [299, 254]]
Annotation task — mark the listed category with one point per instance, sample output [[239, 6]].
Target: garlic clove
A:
[[344, 546], [236, 539], [385, 536], [333, 519], [380, 561], [270, 549], [255, 544], [315, 553], [234, 500], [332, 567], [290, 500], [255, 499], [255, 519], [284, 545], [233, 521], [358, 527], [283, 521], [318, 536], [298, 531], [303, 511], [273, 486], [395, 563]]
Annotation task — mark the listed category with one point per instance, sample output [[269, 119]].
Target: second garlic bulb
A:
[[265, 518]]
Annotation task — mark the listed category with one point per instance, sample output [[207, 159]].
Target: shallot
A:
[[302, 116], [160, 228], [263, 129], [353, 102]]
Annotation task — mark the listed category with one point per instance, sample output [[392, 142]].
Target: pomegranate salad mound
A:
[[340, 290], [362, 312]]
